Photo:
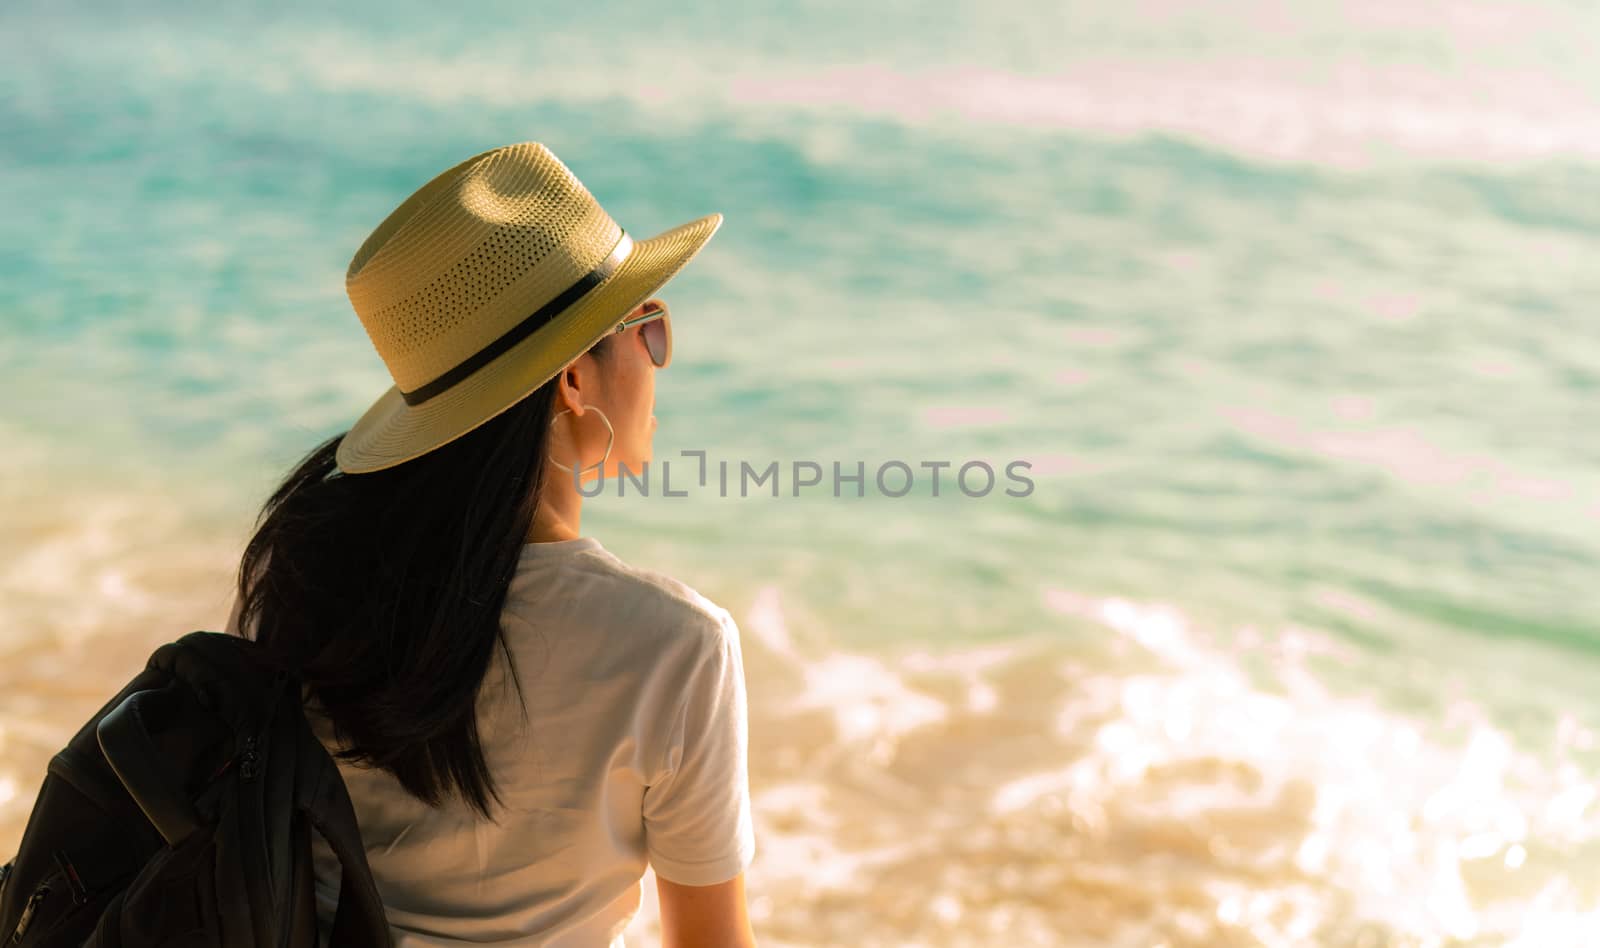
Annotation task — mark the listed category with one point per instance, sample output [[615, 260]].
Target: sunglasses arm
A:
[[656, 313]]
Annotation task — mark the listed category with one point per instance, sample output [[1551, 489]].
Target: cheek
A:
[[644, 404]]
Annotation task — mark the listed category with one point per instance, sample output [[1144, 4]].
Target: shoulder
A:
[[682, 596], [685, 607], [599, 585]]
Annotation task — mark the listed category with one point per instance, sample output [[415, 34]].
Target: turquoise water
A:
[[1292, 312]]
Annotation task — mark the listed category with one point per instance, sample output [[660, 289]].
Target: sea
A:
[[1287, 634]]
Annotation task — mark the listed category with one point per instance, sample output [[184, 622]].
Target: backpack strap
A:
[[359, 920]]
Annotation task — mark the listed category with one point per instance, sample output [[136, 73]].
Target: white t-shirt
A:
[[634, 749]]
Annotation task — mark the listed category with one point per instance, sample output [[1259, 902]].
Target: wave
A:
[[1156, 788], [1347, 112]]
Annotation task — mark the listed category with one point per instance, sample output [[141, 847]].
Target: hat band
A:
[[526, 327]]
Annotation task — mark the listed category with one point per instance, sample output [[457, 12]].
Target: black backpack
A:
[[181, 814]]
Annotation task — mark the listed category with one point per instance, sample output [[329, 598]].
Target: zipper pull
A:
[[27, 913], [80, 894], [247, 764]]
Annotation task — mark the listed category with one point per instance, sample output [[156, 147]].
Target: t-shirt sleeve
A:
[[698, 828]]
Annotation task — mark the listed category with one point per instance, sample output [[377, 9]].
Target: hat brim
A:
[[392, 432]]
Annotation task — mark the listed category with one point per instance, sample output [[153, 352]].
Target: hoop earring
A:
[[611, 439]]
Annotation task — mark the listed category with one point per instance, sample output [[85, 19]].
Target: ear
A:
[[569, 387]]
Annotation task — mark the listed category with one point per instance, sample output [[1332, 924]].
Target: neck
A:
[[560, 508]]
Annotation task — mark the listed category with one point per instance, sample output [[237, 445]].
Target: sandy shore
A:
[[1018, 793]]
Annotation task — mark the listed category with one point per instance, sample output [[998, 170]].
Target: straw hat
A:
[[484, 285]]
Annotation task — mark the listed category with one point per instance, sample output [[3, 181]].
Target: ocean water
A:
[[1290, 308]]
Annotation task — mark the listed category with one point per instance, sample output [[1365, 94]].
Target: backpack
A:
[[181, 814]]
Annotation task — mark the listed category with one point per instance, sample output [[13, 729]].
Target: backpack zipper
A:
[[27, 912], [247, 764]]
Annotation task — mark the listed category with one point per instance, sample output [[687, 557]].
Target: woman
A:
[[523, 720]]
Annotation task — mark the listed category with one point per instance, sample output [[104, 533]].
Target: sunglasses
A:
[[656, 328]]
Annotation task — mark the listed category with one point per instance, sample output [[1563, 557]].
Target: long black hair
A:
[[383, 592]]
